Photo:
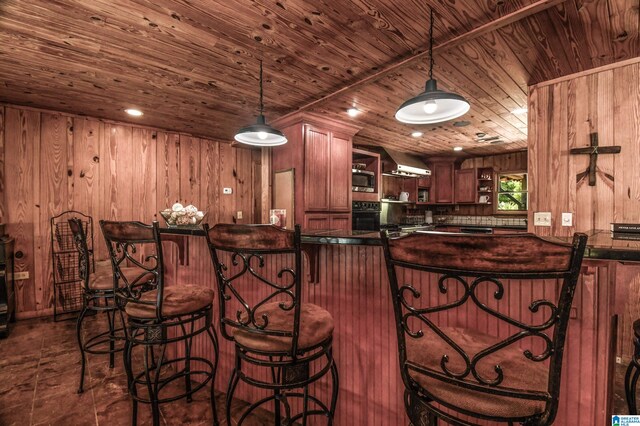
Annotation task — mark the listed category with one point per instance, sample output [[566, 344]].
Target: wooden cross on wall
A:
[[593, 152]]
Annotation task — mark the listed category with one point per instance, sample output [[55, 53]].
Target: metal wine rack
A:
[[67, 285]]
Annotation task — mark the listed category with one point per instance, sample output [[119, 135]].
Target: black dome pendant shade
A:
[[432, 105], [260, 134]]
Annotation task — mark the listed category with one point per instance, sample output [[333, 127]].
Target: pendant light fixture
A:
[[260, 134], [432, 105]]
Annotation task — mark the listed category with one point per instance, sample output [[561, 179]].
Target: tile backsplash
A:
[[480, 220]]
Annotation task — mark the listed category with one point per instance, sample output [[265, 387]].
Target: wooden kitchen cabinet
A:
[[316, 170], [320, 221], [443, 182], [465, 187], [340, 173], [319, 152]]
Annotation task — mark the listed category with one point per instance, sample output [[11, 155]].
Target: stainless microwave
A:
[[363, 180]]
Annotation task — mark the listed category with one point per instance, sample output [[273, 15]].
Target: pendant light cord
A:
[[430, 45], [261, 104]]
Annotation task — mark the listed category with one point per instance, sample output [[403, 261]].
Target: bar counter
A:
[[600, 245], [347, 276]]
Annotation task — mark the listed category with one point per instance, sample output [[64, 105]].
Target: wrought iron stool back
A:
[[503, 364], [259, 275], [124, 242], [97, 296], [158, 315]]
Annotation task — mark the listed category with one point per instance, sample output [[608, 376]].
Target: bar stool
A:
[[158, 316], [453, 371], [97, 296], [633, 371], [259, 273]]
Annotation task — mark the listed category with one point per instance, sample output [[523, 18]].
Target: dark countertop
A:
[[459, 225], [600, 245]]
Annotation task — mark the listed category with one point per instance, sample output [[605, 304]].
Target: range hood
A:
[[400, 164]]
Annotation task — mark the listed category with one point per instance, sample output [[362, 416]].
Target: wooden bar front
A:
[[353, 286]]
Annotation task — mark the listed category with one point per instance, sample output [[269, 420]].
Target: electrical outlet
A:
[[542, 219], [227, 191], [21, 276], [239, 214], [567, 219], [618, 360]]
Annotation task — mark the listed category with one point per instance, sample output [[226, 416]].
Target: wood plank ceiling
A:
[[192, 65]]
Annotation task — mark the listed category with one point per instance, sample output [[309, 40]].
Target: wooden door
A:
[[465, 186], [340, 175], [443, 178], [316, 169], [340, 221]]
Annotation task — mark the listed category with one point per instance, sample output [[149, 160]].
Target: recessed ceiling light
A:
[[457, 148], [519, 111], [416, 134], [133, 112], [353, 111]]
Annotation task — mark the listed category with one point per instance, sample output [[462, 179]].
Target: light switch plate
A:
[[227, 191], [239, 214], [542, 219], [567, 219]]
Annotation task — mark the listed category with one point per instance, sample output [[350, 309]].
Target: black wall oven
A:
[[365, 216]]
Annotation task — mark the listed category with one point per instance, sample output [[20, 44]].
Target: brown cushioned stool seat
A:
[[316, 326], [519, 373], [180, 299]]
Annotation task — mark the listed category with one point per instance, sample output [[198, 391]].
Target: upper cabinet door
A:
[[443, 173], [340, 177], [465, 187], [316, 170]]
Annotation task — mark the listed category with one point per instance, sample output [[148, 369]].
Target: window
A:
[[512, 192]]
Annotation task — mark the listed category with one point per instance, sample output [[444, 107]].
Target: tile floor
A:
[[39, 373]]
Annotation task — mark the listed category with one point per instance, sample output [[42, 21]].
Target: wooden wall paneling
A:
[[3, 213], [626, 125], [53, 198], [167, 170], [22, 136], [586, 205], [256, 198], [189, 166], [244, 184], [604, 127], [210, 189], [143, 175], [265, 178], [228, 175], [87, 198], [562, 183]]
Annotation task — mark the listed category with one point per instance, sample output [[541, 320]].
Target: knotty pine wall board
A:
[[52, 162], [562, 114]]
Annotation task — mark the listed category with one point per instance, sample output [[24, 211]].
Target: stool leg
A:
[[276, 411], [336, 386], [126, 355], [233, 382], [630, 386], [81, 345], [305, 405], [212, 335], [111, 318], [187, 361]]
